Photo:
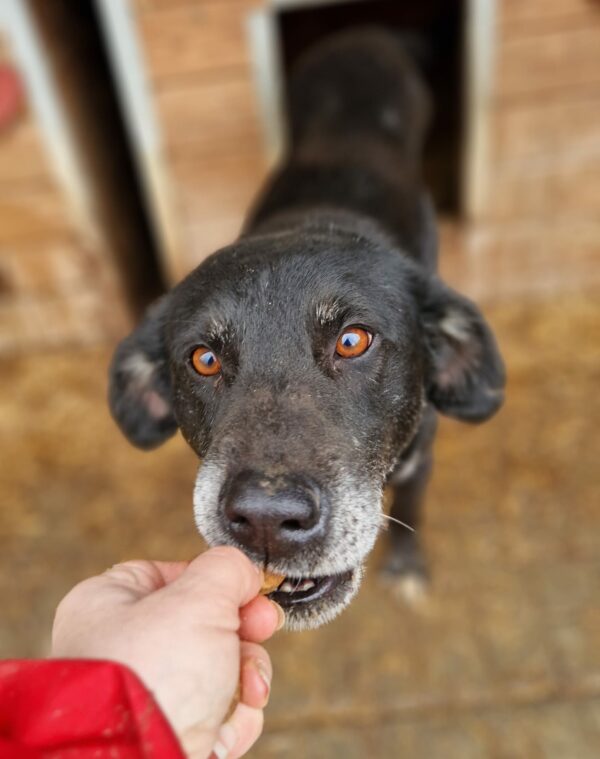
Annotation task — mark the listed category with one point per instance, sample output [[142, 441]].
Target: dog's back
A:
[[360, 85], [359, 112]]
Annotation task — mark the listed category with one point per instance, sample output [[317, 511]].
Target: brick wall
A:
[[55, 288], [538, 229], [199, 66]]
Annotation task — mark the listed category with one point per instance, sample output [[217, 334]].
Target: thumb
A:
[[218, 582], [223, 572]]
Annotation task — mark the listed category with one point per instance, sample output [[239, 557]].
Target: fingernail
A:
[[264, 675], [257, 667], [226, 740], [280, 615]]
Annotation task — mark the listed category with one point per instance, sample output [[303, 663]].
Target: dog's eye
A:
[[205, 362], [353, 342]]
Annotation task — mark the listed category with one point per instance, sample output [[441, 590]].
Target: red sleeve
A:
[[74, 709]]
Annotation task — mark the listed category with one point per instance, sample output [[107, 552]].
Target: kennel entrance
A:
[[451, 40]]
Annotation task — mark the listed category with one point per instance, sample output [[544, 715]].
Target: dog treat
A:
[[271, 582]]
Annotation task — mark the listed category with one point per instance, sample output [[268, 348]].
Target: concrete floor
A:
[[503, 658]]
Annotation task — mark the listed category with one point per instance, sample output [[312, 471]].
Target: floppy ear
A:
[[465, 372], [140, 384]]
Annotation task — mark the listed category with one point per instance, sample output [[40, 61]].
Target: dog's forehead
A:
[[287, 278]]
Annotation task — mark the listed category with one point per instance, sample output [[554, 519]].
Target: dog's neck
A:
[[326, 220]]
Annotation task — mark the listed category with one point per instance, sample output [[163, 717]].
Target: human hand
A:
[[191, 632]]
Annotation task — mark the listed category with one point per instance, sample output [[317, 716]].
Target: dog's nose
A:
[[274, 516]]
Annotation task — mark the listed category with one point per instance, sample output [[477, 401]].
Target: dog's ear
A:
[[140, 383], [465, 372]]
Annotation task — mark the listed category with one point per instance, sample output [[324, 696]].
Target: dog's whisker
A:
[[398, 521]]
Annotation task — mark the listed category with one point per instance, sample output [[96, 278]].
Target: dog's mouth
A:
[[295, 591]]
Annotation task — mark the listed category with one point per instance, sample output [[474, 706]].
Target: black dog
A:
[[306, 362]]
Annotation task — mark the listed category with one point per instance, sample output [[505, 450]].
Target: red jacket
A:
[[69, 709]]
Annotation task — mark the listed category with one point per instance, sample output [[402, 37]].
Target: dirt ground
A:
[[502, 659]]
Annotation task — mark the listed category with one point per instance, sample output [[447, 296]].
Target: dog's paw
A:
[[409, 588], [406, 577]]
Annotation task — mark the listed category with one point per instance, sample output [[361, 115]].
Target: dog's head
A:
[[297, 367]]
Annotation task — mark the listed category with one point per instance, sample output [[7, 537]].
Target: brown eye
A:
[[353, 342], [205, 362]]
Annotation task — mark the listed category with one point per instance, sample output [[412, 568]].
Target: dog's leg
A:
[[406, 567]]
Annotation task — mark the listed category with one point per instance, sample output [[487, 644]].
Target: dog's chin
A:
[[310, 602]]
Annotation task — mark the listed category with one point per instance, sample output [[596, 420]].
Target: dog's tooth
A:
[[294, 586]]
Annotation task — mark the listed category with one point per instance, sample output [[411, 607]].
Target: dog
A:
[[306, 363]]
